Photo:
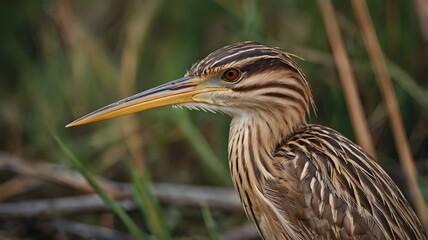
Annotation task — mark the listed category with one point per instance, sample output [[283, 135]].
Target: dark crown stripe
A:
[[241, 55], [267, 63], [270, 85]]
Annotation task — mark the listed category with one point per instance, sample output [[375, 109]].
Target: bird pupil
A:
[[231, 74]]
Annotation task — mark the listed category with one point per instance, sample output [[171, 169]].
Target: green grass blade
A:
[[201, 146], [209, 222], [148, 204], [129, 223], [401, 77]]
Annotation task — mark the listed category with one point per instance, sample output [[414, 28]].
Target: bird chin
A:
[[201, 107]]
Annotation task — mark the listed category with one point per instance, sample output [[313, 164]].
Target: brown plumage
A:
[[295, 180]]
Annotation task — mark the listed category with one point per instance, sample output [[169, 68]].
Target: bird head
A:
[[242, 79]]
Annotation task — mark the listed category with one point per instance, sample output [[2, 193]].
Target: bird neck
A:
[[268, 127], [253, 139]]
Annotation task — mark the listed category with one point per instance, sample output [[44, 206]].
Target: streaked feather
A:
[[299, 181]]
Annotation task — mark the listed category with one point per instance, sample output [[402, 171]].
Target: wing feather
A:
[[340, 192]]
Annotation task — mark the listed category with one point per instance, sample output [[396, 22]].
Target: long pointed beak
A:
[[176, 92]]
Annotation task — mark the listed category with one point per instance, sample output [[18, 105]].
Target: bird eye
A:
[[231, 75]]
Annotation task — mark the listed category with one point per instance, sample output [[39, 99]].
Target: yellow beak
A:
[[178, 91]]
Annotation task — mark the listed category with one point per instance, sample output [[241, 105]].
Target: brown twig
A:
[[55, 173], [214, 197], [16, 186], [86, 231], [245, 232], [190, 196], [56, 206], [397, 127], [358, 119]]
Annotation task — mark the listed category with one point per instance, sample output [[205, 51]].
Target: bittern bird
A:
[[295, 180]]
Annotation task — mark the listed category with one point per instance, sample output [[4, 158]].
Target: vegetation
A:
[[63, 59]]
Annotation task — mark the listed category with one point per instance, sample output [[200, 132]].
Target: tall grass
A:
[[63, 59]]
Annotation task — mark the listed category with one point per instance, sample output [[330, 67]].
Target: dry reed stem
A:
[[387, 90], [358, 119], [136, 30], [421, 7], [79, 40]]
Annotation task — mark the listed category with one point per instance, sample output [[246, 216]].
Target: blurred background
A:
[[62, 59]]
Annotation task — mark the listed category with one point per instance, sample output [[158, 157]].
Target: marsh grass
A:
[[63, 59]]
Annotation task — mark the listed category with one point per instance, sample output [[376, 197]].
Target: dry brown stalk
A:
[[394, 114], [136, 31], [358, 119], [421, 7]]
